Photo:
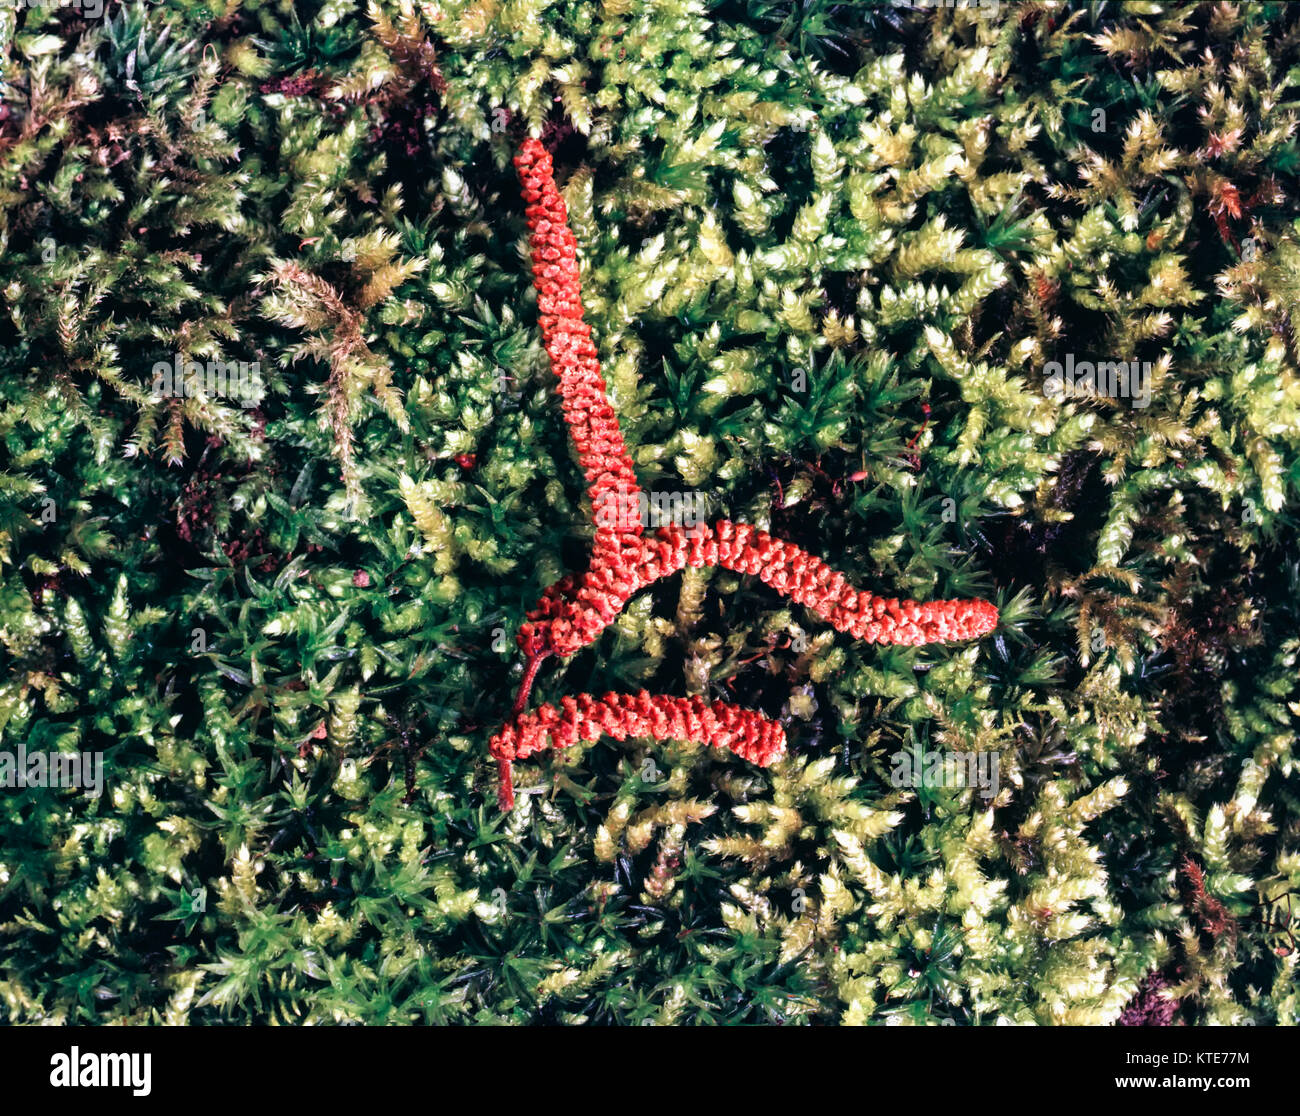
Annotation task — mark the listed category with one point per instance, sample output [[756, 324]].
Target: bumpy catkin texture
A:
[[750, 735], [575, 610], [593, 425], [567, 620]]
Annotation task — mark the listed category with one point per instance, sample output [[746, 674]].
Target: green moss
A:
[[827, 258]]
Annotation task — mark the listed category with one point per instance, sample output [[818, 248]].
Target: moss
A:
[[828, 253]]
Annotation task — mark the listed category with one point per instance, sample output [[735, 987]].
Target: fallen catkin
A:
[[593, 425], [750, 735], [576, 609], [574, 612]]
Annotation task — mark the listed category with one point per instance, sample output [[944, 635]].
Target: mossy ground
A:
[[828, 251]]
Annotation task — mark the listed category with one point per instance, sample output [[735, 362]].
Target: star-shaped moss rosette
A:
[[576, 609]]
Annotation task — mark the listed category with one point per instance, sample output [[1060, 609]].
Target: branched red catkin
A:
[[566, 621], [575, 610]]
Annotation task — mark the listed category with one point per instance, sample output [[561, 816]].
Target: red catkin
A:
[[567, 619], [593, 425], [575, 610], [750, 735]]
